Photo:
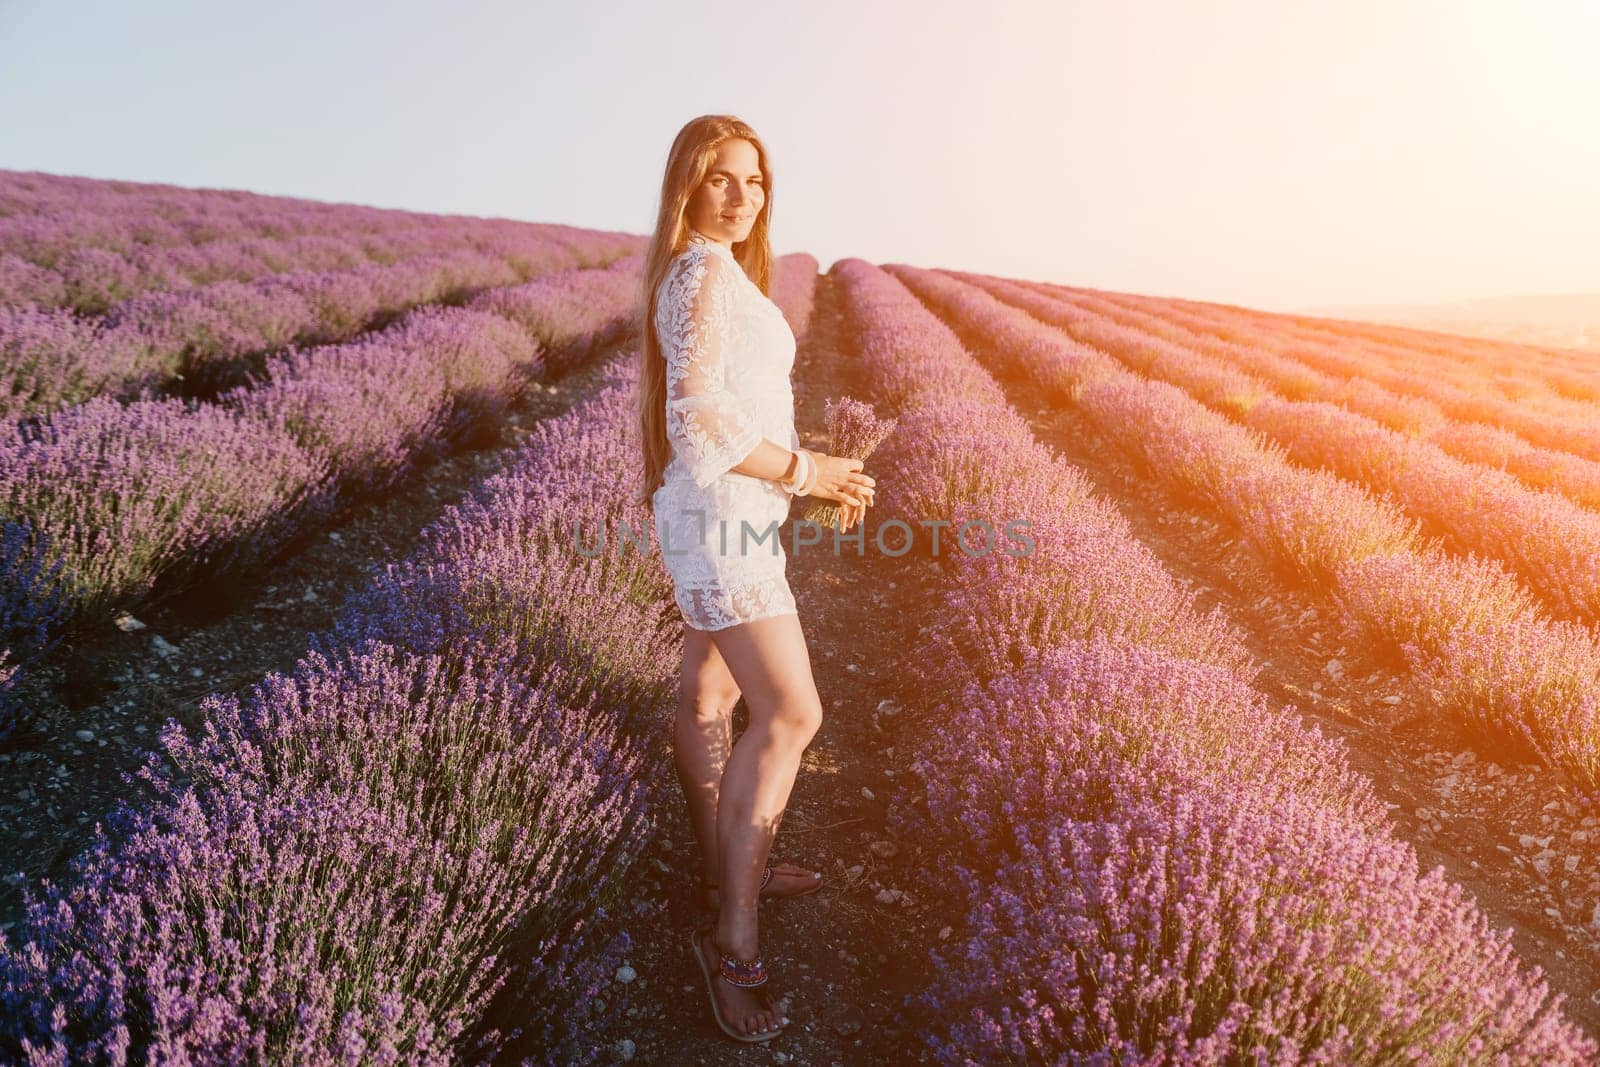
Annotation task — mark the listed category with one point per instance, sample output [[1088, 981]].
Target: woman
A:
[[722, 462]]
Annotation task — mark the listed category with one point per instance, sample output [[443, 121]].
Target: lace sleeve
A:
[[714, 429]]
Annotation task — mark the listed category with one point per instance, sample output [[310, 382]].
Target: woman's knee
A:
[[707, 704], [799, 715], [706, 689]]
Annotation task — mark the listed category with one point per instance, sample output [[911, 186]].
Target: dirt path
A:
[[844, 957], [121, 687], [1511, 835]]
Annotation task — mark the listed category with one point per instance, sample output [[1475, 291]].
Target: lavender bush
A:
[[362, 849], [573, 313], [1193, 930], [33, 606], [122, 493]]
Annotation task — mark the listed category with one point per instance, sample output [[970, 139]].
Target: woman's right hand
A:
[[841, 478]]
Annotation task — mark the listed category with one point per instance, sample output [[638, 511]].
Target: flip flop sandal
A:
[[747, 974], [766, 876]]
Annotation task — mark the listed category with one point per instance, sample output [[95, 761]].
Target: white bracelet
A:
[[802, 471], [812, 472]]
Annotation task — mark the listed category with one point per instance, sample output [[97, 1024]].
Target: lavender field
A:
[[319, 743]]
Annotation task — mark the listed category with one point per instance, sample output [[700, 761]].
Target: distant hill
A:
[[1568, 320]]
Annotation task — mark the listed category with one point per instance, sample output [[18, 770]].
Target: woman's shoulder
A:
[[700, 266], [699, 255]]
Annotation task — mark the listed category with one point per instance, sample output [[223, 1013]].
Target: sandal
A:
[[746, 974], [766, 876]]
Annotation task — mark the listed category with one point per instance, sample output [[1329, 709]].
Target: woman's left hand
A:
[[850, 515]]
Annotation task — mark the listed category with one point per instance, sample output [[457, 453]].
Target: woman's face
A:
[[727, 202]]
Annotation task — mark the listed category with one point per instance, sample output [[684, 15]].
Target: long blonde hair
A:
[[693, 151]]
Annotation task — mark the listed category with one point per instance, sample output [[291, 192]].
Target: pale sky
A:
[[1278, 154]]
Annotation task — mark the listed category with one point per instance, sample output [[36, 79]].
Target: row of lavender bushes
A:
[[1158, 866], [131, 501], [1251, 347], [1489, 382], [46, 216], [93, 281], [1550, 542], [1568, 372], [1478, 647], [224, 278], [1336, 379], [1515, 369], [197, 341], [418, 847], [1506, 382], [1544, 418], [187, 215]]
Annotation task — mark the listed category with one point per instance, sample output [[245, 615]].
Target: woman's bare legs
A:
[[770, 665], [703, 736]]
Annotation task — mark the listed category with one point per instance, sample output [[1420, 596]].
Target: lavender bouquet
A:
[[854, 430]]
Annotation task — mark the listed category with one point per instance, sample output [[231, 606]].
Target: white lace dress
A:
[[729, 352]]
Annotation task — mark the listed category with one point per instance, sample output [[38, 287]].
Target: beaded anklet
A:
[[744, 973]]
